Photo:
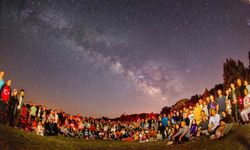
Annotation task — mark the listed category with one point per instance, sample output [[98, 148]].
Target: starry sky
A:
[[108, 57]]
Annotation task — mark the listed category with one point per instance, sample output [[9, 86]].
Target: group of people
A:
[[212, 116]]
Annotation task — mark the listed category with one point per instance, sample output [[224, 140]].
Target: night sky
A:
[[108, 57]]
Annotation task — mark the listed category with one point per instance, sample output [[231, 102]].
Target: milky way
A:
[[113, 57]]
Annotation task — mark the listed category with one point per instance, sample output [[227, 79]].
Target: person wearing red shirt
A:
[[5, 97]]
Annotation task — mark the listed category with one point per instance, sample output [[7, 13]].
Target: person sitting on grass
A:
[[152, 134], [167, 132], [86, 134], [143, 137], [101, 134], [64, 129], [226, 117], [33, 125], [203, 127], [39, 129], [136, 136], [171, 133], [80, 129], [159, 136], [74, 130], [214, 121], [185, 118], [219, 131], [129, 139], [194, 128], [182, 135], [229, 122]]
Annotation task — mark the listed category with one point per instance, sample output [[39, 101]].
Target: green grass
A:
[[11, 138]]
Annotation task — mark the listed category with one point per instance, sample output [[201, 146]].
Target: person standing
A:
[[228, 101], [1, 85], [33, 110], [13, 107], [197, 113], [235, 113], [221, 100], [240, 93], [20, 105], [246, 109], [247, 85], [205, 107], [5, 97], [213, 104], [208, 105], [164, 120], [1, 79]]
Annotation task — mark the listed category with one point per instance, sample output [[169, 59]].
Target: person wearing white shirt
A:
[[20, 105], [246, 109], [214, 121]]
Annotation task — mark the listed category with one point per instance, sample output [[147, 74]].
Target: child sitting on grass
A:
[[159, 136], [40, 129]]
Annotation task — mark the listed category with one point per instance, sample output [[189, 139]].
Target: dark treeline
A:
[[232, 70]]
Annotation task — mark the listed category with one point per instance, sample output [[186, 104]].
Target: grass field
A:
[[16, 139]]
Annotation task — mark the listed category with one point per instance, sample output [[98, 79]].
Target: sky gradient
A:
[[105, 58]]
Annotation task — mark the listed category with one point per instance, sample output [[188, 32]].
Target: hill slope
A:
[[11, 138]]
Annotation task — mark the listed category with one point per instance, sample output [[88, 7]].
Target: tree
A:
[[205, 94], [166, 110], [194, 99], [233, 71]]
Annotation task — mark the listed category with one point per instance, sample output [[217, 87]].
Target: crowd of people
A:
[[213, 116]]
